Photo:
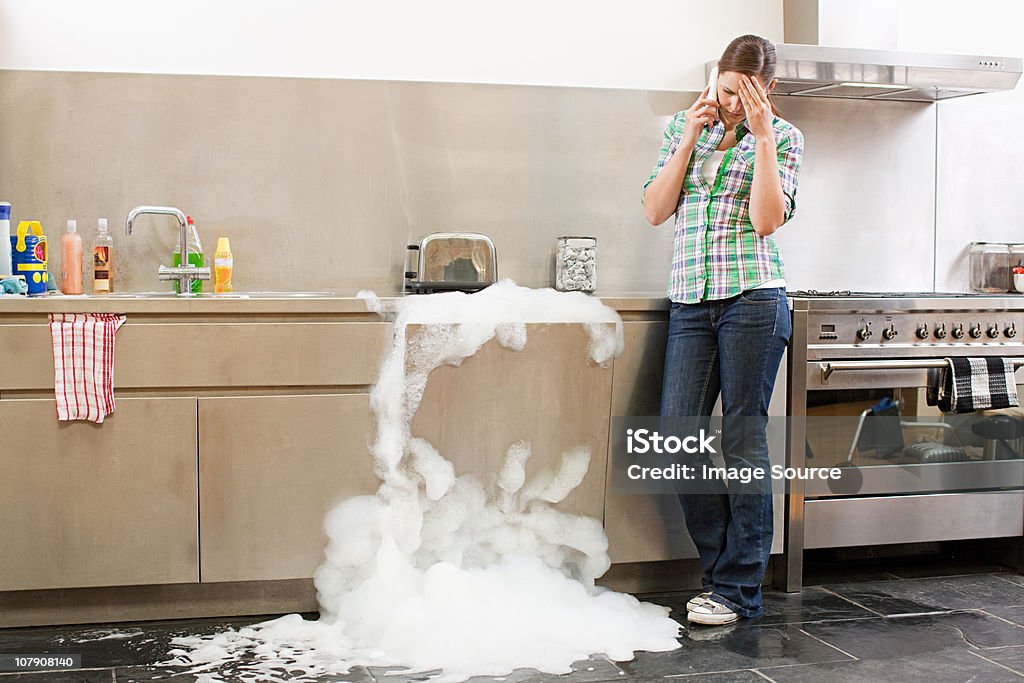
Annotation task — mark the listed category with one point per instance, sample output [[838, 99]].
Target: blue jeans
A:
[[733, 347]]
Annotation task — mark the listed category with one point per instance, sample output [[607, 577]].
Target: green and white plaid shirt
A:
[[716, 253]]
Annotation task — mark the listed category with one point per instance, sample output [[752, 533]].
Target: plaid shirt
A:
[[716, 253]]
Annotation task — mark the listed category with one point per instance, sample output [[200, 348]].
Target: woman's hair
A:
[[751, 55]]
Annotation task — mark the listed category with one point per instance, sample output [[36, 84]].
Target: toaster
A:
[[450, 261]]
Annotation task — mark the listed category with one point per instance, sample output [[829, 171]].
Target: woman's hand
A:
[[703, 112], [757, 108], [767, 200]]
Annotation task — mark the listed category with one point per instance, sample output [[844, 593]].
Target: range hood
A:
[[819, 71]]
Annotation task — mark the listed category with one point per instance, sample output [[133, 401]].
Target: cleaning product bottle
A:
[[195, 254], [103, 261], [5, 240], [30, 256], [71, 260], [223, 264]]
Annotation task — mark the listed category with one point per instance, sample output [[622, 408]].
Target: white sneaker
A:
[[697, 600], [711, 613]]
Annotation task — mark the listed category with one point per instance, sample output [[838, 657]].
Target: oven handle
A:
[[828, 368]]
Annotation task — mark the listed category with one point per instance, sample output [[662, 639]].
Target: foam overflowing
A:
[[466, 574]]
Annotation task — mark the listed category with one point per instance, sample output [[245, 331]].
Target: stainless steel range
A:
[[859, 368]]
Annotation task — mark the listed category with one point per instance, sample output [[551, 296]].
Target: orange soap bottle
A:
[[223, 265]]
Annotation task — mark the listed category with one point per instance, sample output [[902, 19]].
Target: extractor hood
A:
[[819, 71]]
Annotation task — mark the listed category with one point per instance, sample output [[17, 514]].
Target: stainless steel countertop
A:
[[326, 304]]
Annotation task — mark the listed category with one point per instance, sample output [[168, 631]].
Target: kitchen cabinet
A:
[[549, 394], [647, 528], [119, 504], [98, 505], [271, 467], [163, 353], [239, 426], [643, 527]]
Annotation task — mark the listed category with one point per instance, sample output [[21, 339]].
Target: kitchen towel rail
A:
[[910, 364]]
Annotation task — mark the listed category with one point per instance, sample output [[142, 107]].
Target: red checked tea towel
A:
[[83, 364]]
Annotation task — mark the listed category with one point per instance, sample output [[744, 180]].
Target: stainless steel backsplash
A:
[[321, 183]]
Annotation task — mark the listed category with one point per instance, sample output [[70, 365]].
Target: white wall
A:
[[946, 26], [976, 28], [871, 24], [865, 206], [974, 179], [654, 44], [979, 192]]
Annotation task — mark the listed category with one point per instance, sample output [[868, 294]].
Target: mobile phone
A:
[[713, 84]]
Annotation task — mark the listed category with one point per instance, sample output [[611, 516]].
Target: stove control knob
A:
[[993, 331], [1010, 330], [922, 331], [958, 331], [864, 333], [975, 330], [940, 331], [890, 332]]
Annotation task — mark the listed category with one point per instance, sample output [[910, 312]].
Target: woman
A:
[[728, 171]]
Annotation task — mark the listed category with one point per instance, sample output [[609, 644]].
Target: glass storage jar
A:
[[1016, 283], [990, 267], [576, 264]]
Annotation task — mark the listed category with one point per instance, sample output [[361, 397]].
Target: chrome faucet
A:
[[184, 273]]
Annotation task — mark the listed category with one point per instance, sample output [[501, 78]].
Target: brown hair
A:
[[751, 55]]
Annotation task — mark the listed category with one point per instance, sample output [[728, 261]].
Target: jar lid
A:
[[994, 247]]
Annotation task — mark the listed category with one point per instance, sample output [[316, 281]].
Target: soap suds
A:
[[467, 574]]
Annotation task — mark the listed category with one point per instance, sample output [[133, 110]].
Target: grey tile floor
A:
[[921, 621]]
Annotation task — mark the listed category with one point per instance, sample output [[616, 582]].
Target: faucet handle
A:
[[177, 272]]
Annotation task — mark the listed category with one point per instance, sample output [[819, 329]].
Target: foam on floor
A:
[[460, 575]]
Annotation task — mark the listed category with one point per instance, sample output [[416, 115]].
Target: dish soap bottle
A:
[[103, 260], [195, 254], [5, 241], [71, 260], [223, 265]]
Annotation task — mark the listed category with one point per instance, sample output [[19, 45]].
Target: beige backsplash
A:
[[321, 183]]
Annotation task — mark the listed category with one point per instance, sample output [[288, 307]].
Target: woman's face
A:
[[730, 106]]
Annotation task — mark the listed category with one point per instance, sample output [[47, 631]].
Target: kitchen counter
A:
[[258, 304], [182, 305]]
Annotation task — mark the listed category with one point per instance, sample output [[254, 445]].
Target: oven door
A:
[[871, 419]]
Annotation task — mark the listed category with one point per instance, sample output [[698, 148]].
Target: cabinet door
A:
[[650, 527], [643, 527], [549, 394], [271, 468], [98, 505]]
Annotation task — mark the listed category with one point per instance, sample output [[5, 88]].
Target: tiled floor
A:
[[921, 621]]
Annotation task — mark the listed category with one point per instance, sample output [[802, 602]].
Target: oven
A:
[[859, 369]]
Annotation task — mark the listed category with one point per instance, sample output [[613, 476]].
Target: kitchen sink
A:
[[276, 295]]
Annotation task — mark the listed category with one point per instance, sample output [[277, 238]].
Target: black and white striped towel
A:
[[969, 384]]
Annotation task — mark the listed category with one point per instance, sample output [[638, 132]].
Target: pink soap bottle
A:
[[71, 260]]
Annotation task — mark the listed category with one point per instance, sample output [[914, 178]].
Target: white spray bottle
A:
[[5, 237]]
